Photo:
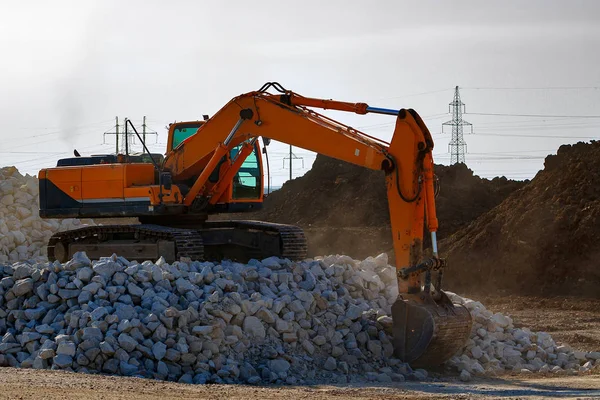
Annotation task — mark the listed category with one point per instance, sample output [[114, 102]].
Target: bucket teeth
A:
[[427, 334]]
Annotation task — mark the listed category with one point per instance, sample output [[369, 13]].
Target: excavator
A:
[[215, 166]]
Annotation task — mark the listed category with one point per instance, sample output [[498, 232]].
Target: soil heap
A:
[[542, 238], [343, 207]]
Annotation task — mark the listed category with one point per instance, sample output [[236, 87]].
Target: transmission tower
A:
[[457, 145]]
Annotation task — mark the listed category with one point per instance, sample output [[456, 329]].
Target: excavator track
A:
[[286, 241], [95, 240], [237, 240]]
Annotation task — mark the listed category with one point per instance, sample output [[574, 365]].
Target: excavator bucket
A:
[[428, 332]]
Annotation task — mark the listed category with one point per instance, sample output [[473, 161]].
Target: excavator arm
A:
[[285, 118], [428, 329]]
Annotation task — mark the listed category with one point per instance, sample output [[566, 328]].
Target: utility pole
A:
[[457, 145], [292, 156], [144, 133], [116, 133]]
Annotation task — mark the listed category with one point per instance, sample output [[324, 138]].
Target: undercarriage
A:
[[210, 241]]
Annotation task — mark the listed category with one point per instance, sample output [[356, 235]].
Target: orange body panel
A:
[[138, 175], [67, 179], [102, 181]]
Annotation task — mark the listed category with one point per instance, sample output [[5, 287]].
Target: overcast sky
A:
[[69, 67]]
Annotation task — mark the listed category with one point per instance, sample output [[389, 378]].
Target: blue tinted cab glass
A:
[[183, 132], [247, 182]]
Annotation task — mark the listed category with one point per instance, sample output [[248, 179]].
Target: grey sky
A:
[[68, 67]]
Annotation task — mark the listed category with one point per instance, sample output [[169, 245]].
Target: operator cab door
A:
[[247, 185]]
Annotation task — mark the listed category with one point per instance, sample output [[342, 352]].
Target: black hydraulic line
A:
[[427, 265], [427, 288], [406, 199], [143, 144], [268, 170], [276, 85], [126, 140]]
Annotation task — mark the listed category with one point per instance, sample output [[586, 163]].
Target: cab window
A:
[[183, 132], [247, 182]]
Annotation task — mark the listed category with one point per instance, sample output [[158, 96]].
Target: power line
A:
[[414, 94], [537, 128], [40, 142], [534, 115], [31, 152], [534, 88], [513, 152], [544, 123], [21, 137], [47, 157], [537, 136]]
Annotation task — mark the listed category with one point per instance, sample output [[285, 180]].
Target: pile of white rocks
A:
[[23, 234], [496, 346], [265, 321], [269, 321]]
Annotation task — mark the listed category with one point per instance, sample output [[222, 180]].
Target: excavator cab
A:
[[246, 191]]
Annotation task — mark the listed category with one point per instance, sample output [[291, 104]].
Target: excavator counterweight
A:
[[215, 166]]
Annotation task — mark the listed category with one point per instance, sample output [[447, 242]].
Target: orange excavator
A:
[[215, 166]]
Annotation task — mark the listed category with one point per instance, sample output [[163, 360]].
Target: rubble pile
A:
[[497, 346], [23, 234], [269, 321]]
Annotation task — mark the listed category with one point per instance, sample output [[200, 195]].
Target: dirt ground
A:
[[574, 321], [570, 320], [60, 385]]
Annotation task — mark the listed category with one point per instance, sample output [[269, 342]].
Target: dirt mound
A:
[[541, 239], [335, 198], [332, 194]]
